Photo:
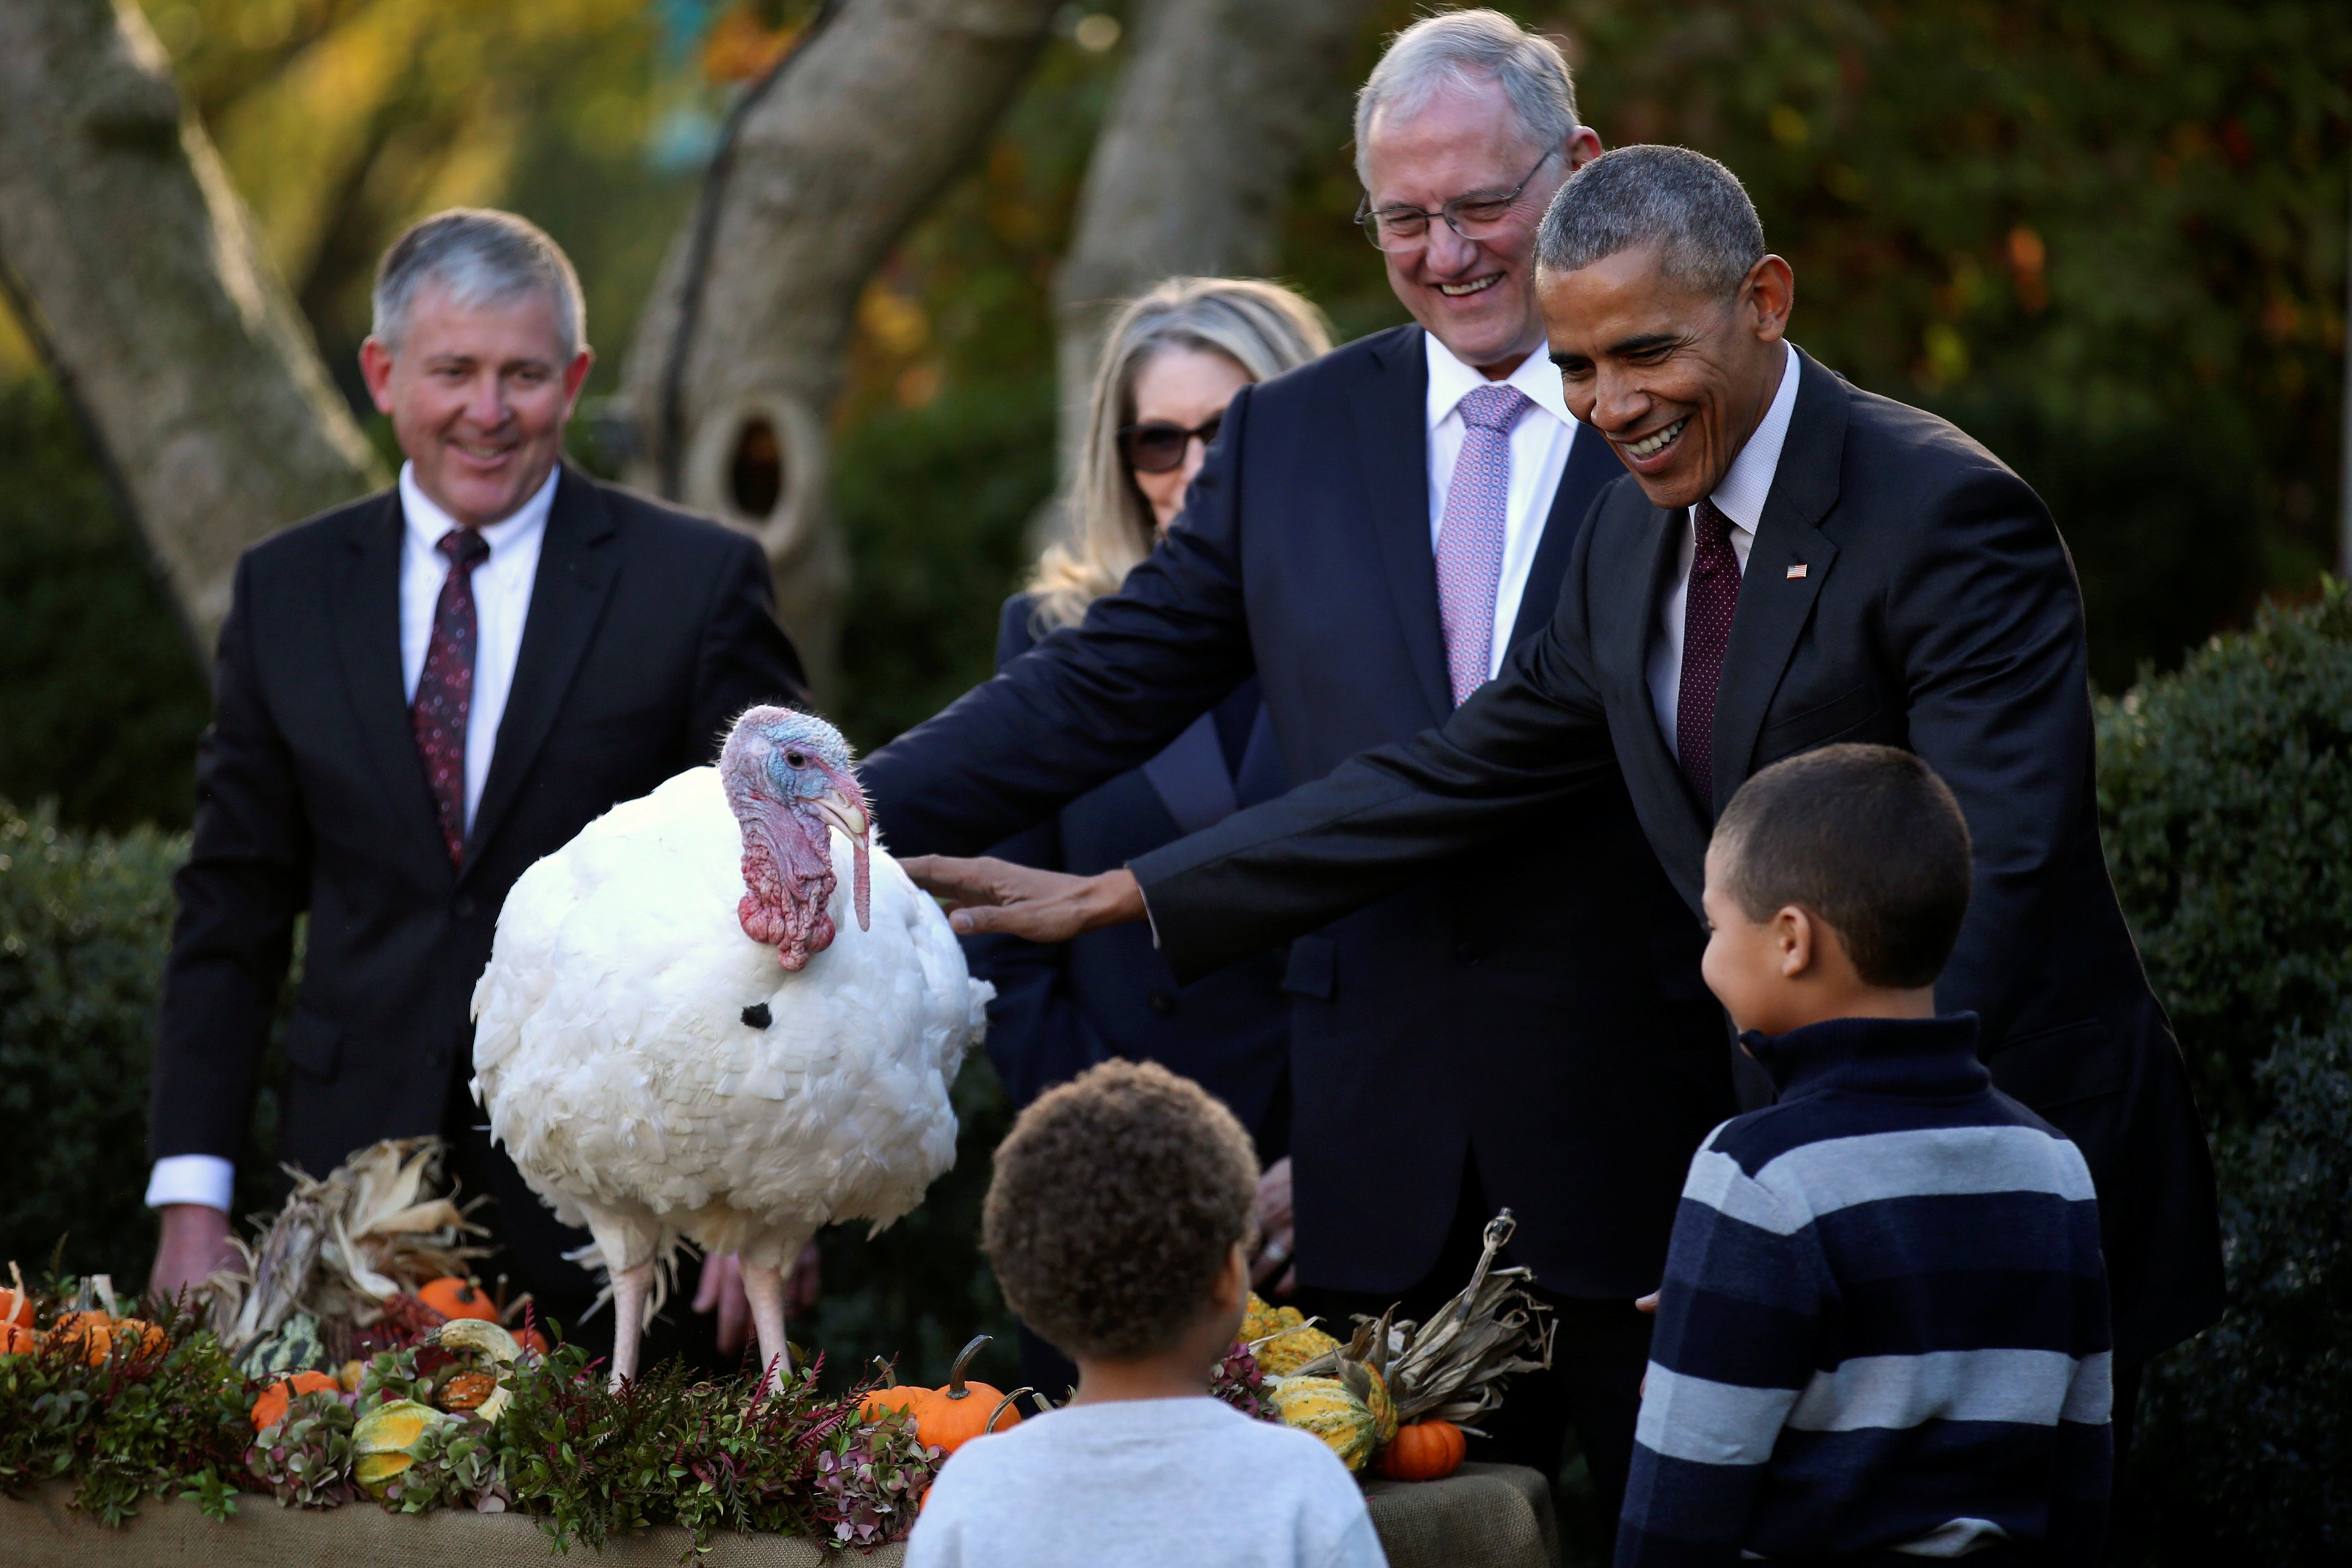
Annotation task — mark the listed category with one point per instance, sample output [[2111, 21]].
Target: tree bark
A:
[[136, 270], [738, 356], [1206, 132]]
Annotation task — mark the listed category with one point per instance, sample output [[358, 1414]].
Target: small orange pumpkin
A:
[[93, 1333], [455, 1298], [145, 1339], [531, 1340], [947, 1418], [16, 1339], [1424, 1451], [270, 1408]]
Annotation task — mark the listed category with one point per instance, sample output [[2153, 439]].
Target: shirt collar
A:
[[1449, 380], [1740, 497], [427, 522], [1934, 1056]]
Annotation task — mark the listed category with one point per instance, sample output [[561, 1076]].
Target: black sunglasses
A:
[[1156, 446]]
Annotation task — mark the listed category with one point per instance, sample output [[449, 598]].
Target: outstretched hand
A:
[[985, 895]]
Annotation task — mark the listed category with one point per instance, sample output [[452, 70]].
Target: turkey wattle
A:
[[679, 1035]]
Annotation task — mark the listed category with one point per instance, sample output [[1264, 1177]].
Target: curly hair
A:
[[1115, 1199]]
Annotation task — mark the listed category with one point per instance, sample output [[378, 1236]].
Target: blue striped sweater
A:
[[1883, 1333]]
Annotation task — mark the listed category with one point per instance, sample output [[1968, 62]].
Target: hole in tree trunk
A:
[[755, 476]]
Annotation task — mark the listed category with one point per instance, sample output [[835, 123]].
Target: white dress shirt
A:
[[1740, 499], [502, 584], [1539, 445]]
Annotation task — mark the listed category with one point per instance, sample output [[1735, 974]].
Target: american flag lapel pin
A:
[[1797, 571]]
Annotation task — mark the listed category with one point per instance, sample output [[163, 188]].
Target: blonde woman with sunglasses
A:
[[1171, 361]]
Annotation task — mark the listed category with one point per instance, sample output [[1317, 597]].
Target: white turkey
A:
[[677, 1036]]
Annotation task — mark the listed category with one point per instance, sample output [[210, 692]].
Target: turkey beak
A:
[[844, 806], [846, 809]]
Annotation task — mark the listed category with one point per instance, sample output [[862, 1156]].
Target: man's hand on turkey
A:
[[995, 896], [1278, 1229]]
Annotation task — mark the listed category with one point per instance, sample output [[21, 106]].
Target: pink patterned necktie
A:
[[444, 691], [1470, 535], [1708, 606]]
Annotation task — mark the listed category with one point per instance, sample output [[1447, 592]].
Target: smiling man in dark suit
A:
[[1373, 534], [1794, 562], [416, 696]]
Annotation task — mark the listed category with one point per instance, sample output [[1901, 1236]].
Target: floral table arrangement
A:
[[351, 1359]]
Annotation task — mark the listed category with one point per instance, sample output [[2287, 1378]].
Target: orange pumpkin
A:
[[16, 1339], [455, 1298], [93, 1333], [947, 1418], [1424, 1451], [15, 1308], [270, 1408], [531, 1340], [145, 1339]]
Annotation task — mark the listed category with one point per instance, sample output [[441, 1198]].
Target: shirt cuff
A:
[[1149, 923], [206, 1179]]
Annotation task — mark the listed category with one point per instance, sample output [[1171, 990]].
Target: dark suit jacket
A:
[[1062, 1007], [1533, 1007], [648, 631], [1937, 611]]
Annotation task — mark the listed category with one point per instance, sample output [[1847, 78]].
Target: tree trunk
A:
[[135, 269], [738, 356], [1206, 132]]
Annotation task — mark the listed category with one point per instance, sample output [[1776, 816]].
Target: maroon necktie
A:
[[1708, 606], [444, 691]]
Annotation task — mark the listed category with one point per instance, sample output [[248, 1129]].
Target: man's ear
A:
[[1769, 292], [375, 368]]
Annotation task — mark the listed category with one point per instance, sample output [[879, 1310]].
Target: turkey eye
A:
[[796, 759]]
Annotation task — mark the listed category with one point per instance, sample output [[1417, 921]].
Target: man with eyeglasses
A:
[[1371, 536]]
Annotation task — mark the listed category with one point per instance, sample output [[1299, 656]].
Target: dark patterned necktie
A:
[[444, 691], [1708, 606]]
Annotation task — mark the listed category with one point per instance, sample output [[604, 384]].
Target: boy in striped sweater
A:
[[1883, 1332]]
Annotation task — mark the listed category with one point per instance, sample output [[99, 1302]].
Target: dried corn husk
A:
[[338, 1249], [1453, 1367]]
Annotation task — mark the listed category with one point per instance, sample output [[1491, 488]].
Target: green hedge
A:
[[2226, 793]]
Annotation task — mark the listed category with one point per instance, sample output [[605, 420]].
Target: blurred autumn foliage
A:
[[2107, 235]]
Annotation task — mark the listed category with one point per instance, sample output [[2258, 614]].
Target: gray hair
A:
[[1262, 327], [1688, 205], [482, 257], [1463, 51]]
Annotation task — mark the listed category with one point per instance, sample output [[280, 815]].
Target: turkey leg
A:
[[630, 1288], [765, 1288]]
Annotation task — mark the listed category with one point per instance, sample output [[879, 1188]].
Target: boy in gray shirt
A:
[[1116, 1222]]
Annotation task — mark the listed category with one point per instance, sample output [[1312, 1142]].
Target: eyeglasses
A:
[[1474, 217], [1156, 446]]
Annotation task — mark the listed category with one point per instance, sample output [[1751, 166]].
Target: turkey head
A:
[[788, 782]]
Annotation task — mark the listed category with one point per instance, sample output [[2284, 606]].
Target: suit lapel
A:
[[1393, 435], [567, 596], [1773, 604], [1590, 466], [367, 644]]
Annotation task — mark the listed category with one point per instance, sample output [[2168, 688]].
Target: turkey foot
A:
[[630, 1288], [766, 1286]]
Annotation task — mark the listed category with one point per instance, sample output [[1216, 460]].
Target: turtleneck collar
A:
[[1915, 1057]]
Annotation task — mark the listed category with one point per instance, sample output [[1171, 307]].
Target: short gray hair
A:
[[482, 257], [1688, 205], [1465, 50]]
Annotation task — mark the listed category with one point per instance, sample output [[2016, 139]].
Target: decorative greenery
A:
[[128, 1426], [171, 1415]]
